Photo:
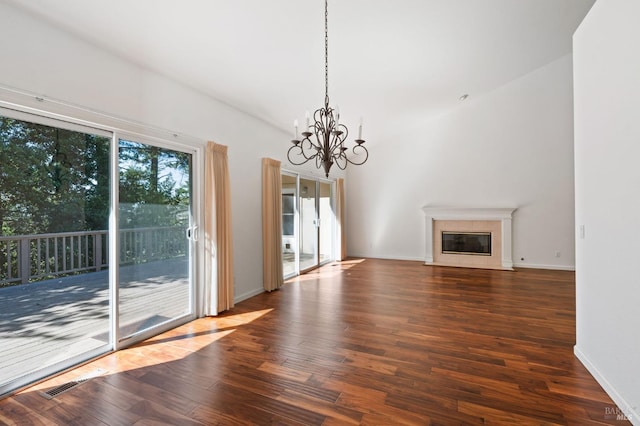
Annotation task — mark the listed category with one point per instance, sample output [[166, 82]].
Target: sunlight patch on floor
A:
[[172, 345], [236, 320], [327, 271]]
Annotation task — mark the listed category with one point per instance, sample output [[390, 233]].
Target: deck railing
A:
[[26, 258]]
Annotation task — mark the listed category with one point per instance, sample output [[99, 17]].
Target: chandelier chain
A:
[[326, 53]]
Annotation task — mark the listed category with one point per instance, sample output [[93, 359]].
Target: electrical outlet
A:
[[557, 253]]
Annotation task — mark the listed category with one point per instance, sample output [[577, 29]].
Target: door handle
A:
[[192, 233]]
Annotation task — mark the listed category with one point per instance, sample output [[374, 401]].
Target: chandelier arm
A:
[[337, 143], [304, 152], [366, 152], [319, 130], [345, 133], [341, 161], [318, 161], [312, 149], [333, 144], [307, 154], [318, 115], [292, 161]]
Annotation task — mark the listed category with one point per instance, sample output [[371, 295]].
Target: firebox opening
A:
[[473, 243]]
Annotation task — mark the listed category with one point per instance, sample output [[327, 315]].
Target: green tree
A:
[[51, 179]]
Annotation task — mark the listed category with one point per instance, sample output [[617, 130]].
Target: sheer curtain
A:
[[218, 243], [271, 224], [340, 221]]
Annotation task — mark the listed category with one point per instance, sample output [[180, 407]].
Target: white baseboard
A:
[[632, 414], [239, 298], [369, 256], [539, 266], [515, 265]]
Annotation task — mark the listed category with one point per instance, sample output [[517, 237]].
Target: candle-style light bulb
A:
[[337, 116], [307, 116], [295, 125], [360, 129]]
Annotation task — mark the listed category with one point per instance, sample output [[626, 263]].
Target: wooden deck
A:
[[46, 322], [372, 342]]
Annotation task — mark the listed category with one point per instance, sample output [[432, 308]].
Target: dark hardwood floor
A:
[[374, 342]]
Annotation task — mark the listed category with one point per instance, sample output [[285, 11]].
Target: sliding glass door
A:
[[308, 224], [308, 231], [54, 215], [154, 236], [289, 225], [326, 216], [96, 243]]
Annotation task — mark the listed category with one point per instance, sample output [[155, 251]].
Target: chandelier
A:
[[323, 141]]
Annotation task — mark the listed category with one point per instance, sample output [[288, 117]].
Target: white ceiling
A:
[[394, 62]]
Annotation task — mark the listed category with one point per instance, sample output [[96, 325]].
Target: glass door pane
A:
[[154, 218], [325, 213], [54, 216], [308, 224], [289, 225]]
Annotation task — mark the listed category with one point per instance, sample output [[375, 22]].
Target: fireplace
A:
[[469, 237]]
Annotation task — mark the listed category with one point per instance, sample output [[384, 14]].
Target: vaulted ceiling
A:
[[395, 63]]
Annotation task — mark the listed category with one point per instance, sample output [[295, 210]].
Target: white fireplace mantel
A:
[[503, 214]]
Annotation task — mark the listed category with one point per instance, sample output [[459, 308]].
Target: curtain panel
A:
[[271, 224], [218, 275]]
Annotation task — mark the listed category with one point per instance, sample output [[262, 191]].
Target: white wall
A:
[[607, 149], [512, 147], [41, 59]]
